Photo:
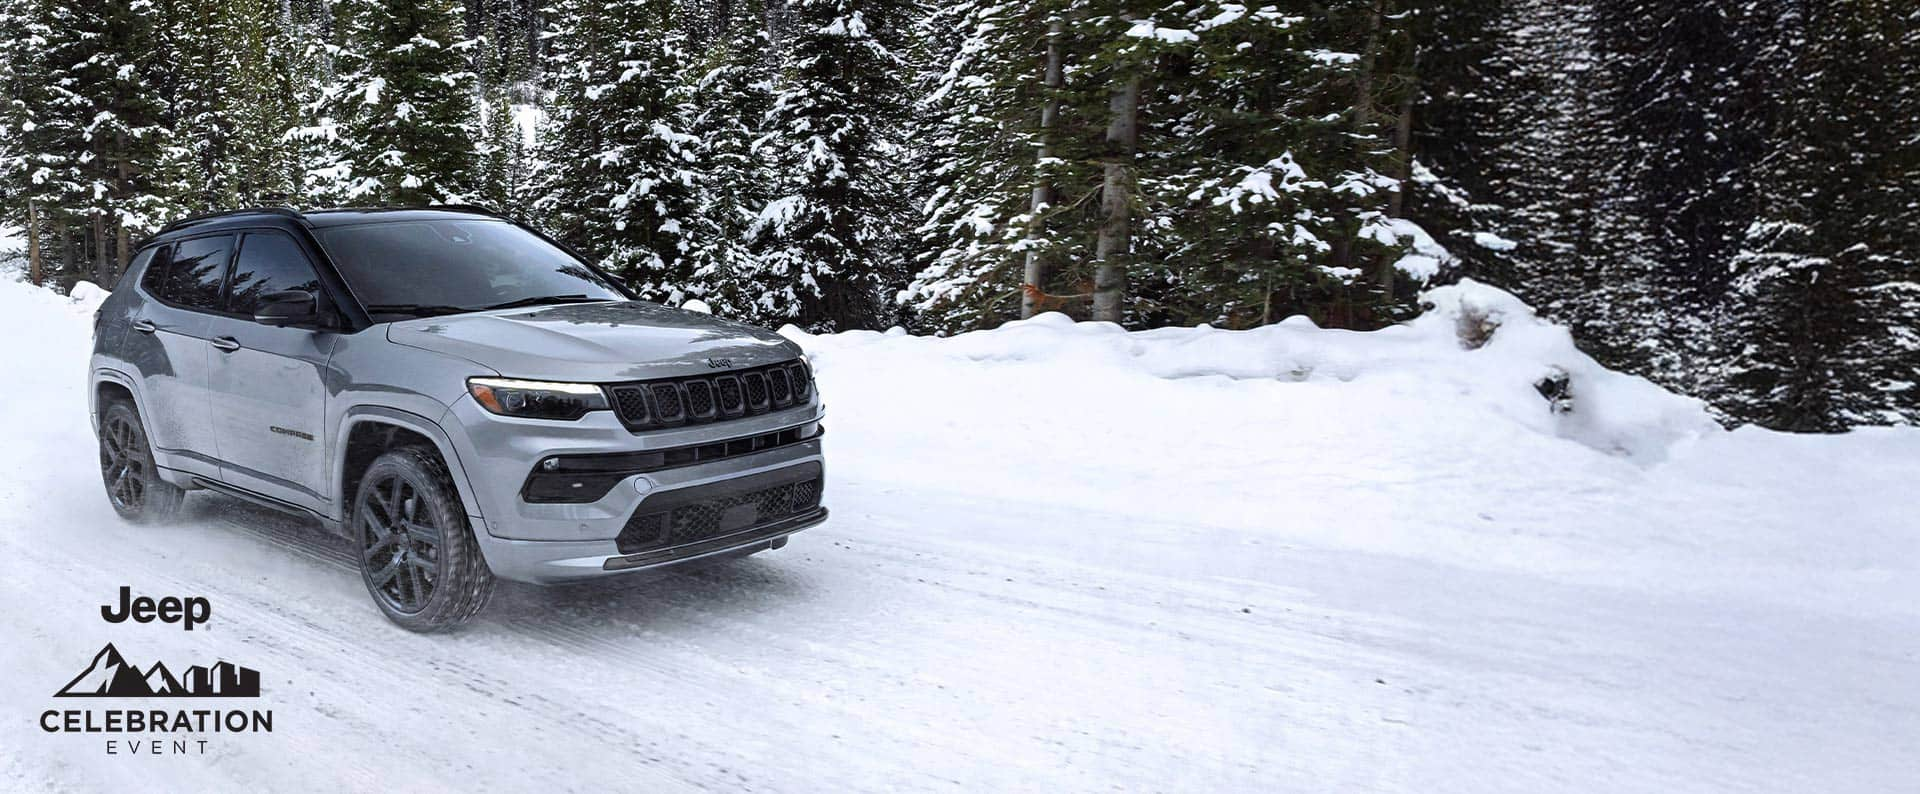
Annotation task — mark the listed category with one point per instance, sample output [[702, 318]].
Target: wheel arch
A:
[[109, 385], [366, 431]]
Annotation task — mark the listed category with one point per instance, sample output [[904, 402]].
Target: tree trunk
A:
[[1116, 202], [100, 263], [1403, 162], [35, 272], [120, 253], [122, 247], [1035, 275], [1363, 79], [65, 236], [1362, 119]]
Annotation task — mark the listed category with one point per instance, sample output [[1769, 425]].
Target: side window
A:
[[269, 262], [154, 278], [196, 271]]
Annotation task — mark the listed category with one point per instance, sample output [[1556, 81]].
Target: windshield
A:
[[415, 268]]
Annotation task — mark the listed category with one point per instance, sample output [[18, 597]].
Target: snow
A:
[[853, 27], [1333, 58], [1147, 29], [1425, 257], [1266, 183], [1493, 242], [527, 119], [1068, 557]]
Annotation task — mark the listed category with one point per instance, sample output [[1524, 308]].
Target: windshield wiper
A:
[[541, 300], [415, 309], [430, 310]]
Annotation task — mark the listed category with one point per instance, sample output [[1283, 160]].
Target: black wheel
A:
[[417, 554], [126, 467]]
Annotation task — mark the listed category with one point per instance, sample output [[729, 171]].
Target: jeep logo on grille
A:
[[719, 363]]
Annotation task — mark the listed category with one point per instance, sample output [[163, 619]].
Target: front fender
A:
[[408, 421]]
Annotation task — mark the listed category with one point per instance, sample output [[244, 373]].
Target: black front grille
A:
[[666, 403], [632, 406], [712, 398], [756, 391], [675, 518], [732, 401], [699, 399]]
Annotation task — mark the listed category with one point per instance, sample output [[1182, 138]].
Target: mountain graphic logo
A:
[[112, 676]]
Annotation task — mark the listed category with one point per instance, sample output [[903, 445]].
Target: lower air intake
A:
[[690, 515]]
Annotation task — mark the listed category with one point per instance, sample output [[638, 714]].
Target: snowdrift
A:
[[1474, 345]]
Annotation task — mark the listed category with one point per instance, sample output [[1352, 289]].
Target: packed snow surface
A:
[[1066, 557]]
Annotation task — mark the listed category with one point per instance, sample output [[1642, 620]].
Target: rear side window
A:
[[192, 276], [155, 275], [269, 262]]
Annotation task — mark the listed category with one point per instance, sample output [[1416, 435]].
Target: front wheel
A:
[[133, 481], [417, 555]]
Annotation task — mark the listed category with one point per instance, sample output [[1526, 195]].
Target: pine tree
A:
[[828, 243], [1298, 162], [1236, 226], [26, 139], [726, 108], [404, 104], [501, 156], [1000, 165], [1826, 304], [98, 134], [1695, 83], [264, 164], [622, 182], [197, 84]]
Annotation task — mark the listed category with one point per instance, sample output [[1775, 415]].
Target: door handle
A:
[[225, 344], [145, 326]]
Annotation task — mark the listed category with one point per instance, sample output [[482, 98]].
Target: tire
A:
[[418, 556], [133, 483]]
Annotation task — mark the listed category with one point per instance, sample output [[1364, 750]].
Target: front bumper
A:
[[556, 542], [553, 562]]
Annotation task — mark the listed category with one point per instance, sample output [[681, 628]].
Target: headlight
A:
[[536, 399]]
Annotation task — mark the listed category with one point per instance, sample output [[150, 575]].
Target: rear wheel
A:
[[133, 481], [417, 554]]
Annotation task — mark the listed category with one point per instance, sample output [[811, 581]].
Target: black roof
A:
[[345, 216], [322, 218]]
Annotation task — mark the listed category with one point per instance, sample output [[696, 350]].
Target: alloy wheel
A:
[[400, 547], [123, 463]]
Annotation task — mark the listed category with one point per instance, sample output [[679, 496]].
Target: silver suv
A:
[[458, 395]]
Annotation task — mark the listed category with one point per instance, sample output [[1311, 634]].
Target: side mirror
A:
[[289, 307]]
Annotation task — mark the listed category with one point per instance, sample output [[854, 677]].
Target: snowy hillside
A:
[[1066, 557]]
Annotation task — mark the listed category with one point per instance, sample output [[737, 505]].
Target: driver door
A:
[[270, 385]]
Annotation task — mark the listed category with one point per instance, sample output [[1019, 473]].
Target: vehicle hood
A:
[[595, 342]]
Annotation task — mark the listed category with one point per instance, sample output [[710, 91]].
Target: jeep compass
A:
[[459, 396]]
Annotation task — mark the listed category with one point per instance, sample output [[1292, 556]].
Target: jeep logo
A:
[[184, 611], [719, 363]]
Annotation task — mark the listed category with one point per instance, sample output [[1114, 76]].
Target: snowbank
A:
[[87, 296], [1475, 344]]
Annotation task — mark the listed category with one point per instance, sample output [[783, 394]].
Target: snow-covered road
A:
[[1063, 571]]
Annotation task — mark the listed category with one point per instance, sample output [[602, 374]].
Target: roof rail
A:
[[202, 218], [478, 209]]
